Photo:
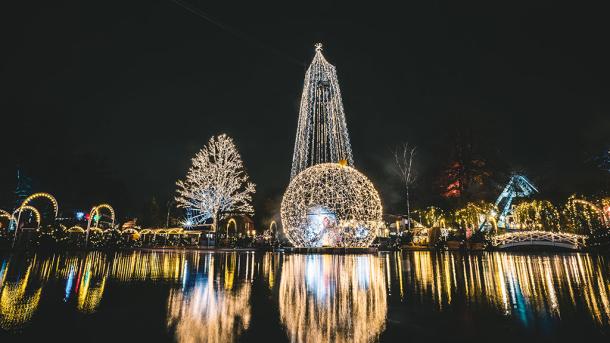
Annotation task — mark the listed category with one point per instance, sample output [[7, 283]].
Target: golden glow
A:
[[42, 195], [96, 210], [333, 203], [330, 298], [339, 298], [512, 283], [18, 303], [31, 209], [4, 214], [89, 292], [537, 214], [553, 238], [208, 312], [473, 214], [582, 216], [232, 221], [75, 228]]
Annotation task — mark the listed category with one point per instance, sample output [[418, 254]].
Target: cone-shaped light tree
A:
[[321, 132], [217, 183]]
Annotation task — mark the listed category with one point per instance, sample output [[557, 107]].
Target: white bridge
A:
[[539, 238]]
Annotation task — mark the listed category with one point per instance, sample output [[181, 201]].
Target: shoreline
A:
[[312, 251]]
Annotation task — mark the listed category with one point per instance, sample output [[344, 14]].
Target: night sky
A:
[[107, 101]]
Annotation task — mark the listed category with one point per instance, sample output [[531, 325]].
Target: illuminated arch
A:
[[96, 211], [8, 216], [29, 208], [232, 220], [271, 225], [588, 204], [24, 206], [42, 195], [75, 229], [96, 229], [4, 214]]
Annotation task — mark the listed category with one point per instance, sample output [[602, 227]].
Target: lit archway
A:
[[273, 226], [8, 216], [75, 229], [4, 214], [95, 211], [231, 221], [25, 205], [32, 209], [42, 195]]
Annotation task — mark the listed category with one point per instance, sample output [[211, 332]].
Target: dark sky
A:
[[109, 100]]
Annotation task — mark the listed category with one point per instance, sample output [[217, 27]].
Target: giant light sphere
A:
[[331, 204]]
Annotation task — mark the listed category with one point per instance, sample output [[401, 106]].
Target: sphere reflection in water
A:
[[332, 298], [210, 311]]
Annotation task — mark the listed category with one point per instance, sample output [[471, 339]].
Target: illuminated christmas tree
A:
[[321, 132], [328, 202]]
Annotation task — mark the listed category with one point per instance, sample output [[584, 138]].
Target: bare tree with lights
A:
[[403, 159], [217, 183]]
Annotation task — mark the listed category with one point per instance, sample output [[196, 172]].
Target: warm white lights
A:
[[216, 183], [321, 132], [331, 205]]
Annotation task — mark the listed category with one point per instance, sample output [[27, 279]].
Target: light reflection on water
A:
[[330, 298], [211, 297], [212, 311]]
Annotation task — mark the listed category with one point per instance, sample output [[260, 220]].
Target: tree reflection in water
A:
[[219, 297], [329, 298], [523, 286]]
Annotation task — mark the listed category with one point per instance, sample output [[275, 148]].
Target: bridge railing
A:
[[538, 235]]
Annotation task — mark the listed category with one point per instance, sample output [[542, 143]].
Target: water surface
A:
[[191, 296]]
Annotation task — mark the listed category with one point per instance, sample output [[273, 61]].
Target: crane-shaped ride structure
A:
[[518, 186]]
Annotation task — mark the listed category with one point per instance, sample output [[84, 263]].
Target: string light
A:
[[321, 132], [582, 216], [528, 236], [32, 209], [24, 205], [331, 204], [95, 211], [473, 214], [43, 195], [216, 183], [537, 214]]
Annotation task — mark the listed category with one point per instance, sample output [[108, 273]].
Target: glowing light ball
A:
[[331, 204]]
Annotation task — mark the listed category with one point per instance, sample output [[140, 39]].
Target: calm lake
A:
[[199, 296]]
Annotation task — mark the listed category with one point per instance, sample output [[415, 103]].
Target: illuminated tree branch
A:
[[216, 183]]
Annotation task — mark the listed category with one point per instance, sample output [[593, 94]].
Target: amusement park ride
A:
[[518, 186]]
